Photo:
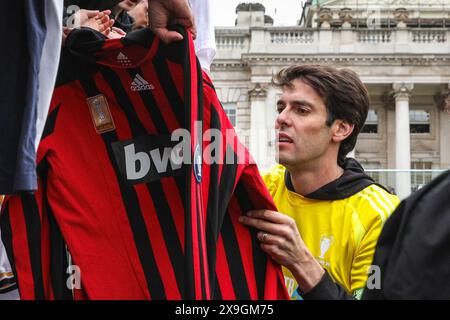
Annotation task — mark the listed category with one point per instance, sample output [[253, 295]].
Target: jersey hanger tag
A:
[[100, 113]]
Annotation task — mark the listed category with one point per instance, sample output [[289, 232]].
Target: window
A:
[[230, 111], [419, 121], [419, 179], [371, 125]]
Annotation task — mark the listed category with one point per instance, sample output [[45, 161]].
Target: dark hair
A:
[[345, 96]]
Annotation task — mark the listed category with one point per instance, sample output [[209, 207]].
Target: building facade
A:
[[400, 49]]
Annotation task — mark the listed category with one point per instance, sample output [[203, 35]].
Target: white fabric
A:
[[49, 62], [205, 43]]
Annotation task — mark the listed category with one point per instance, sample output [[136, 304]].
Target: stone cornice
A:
[[350, 60], [229, 66]]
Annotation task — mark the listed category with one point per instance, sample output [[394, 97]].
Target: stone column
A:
[[257, 138], [443, 103], [402, 92]]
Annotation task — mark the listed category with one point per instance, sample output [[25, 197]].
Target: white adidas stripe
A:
[[383, 195], [381, 213]]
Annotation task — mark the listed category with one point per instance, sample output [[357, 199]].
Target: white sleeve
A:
[[49, 62], [205, 43]]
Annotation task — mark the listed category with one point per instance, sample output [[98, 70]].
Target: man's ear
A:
[[341, 130]]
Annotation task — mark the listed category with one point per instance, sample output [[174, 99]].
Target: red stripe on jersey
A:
[[176, 206], [245, 247], [21, 249], [177, 73], [158, 244], [161, 99], [223, 273], [138, 104]]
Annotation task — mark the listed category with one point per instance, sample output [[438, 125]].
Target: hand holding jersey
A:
[[162, 13], [281, 240]]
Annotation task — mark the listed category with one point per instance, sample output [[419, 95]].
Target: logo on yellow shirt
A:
[[325, 244]]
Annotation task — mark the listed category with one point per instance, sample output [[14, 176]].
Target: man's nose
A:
[[282, 119]]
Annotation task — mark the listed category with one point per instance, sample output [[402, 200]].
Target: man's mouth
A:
[[283, 137]]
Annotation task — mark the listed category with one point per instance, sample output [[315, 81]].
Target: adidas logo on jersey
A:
[[140, 84], [123, 60]]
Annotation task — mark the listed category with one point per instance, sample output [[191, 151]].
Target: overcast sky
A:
[[284, 12]]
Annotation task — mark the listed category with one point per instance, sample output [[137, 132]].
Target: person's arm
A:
[[281, 240], [162, 13]]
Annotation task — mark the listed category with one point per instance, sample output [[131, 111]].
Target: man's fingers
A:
[[167, 36], [269, 238], [119, 31], [91, 13], [266, 226], [269, 215], [104, 19]]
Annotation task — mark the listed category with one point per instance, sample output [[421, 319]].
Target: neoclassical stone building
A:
[[400, 49]]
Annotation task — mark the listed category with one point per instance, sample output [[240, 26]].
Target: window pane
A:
[[371, 125], [420, 128], [419, 121], [230, 111], [420, 178], [370, 128]]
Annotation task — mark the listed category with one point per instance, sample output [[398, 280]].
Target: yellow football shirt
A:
[[341, 234]]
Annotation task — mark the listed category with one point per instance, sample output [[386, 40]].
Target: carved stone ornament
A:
[[402, 90], [346, 15], [401, 15], [258, 91], [325, 15], [443, 101]]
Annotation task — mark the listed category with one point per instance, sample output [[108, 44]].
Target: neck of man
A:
[[307, 178]]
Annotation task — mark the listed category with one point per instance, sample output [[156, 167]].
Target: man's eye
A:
[[302, 110], [280, 109]]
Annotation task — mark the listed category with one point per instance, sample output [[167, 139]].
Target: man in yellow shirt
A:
[[330, 212]]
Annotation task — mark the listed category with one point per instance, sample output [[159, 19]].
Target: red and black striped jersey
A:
[[137, 224]]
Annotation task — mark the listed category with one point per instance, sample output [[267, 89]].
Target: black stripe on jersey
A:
[[169, 87], [33, 226], [209, 84], [50, 122], [7, 238], [212, 219], [151, 105], [169, 231], [113, 80], [237, 273], [131, 203], [229, 236], [216, 290], [58, 261], [227, 181], [58, 253], [259, 257]]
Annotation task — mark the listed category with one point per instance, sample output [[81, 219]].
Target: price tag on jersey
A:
[[100, 113]]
